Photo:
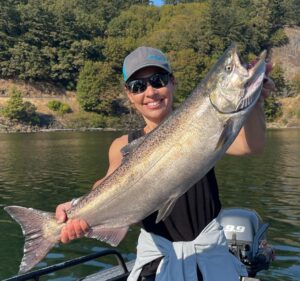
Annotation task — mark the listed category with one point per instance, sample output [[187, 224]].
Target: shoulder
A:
[[119, 143], [115, 155]]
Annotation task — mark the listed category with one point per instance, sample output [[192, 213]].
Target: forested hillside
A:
[[80, 45]]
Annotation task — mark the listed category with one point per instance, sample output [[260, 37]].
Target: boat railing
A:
[[35, 275]]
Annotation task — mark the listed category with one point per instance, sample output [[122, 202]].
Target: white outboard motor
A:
[[246, 236]]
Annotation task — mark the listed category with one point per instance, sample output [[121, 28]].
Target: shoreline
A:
[[278, 126], [28, 130]]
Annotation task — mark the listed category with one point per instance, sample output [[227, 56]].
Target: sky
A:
[[158, 2]]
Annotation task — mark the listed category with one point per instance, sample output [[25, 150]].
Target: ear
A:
[[129, 95]]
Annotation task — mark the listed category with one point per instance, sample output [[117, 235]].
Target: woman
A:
[[150, 87]]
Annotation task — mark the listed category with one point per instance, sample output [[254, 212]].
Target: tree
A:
[[136, 22], [52, 40], [27, 62], [185, 65], [175, 2], [16, 109], [272, 109], [179, 28], [9, 29], [277, 75], [115, 50], [292, 12], [98, 88], [295, 85]]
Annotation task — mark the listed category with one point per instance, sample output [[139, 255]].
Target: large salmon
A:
[[162, 165]]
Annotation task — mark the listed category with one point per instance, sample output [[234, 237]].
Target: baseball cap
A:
[[142, 57]]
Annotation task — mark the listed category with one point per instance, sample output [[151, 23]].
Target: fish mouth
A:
[[253, 85], [240, 88]]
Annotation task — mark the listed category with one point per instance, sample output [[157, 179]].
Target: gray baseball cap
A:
[[143, 57]]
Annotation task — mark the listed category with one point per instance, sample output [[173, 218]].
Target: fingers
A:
[[74, 228], [268, 84], [80, 228], [64, 235], [269, 67], [268, 87], [61, 210], [84, 226]]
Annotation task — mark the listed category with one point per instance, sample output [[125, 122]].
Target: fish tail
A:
[[41, 233]]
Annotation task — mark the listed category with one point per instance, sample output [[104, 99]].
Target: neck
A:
[[150, 126], [153, 123]]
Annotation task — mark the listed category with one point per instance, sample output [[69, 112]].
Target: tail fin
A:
[[39, 236]]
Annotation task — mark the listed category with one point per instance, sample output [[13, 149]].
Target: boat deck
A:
[[114, 273]]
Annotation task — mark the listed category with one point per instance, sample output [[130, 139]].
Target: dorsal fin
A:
[[165, 210]]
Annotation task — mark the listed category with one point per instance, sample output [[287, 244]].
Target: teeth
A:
[[153, 103]]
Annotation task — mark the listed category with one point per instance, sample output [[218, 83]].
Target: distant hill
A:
[[288, 56]]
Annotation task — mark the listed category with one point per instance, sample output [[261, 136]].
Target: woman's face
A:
[[154, 104]]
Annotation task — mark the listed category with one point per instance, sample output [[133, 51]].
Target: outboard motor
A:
[[246, 236]]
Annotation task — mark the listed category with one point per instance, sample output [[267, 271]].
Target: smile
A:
[[153, 104]]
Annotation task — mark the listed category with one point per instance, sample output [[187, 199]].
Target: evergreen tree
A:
[[16, 109], [97, 88], [9, 30]]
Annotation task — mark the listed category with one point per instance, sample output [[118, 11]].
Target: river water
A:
[[40, 170]]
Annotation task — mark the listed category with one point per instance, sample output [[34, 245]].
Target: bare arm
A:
[[76, 228], [114, 156], [251, 138]]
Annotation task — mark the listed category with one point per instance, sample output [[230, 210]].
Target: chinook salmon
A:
[[159, 167]]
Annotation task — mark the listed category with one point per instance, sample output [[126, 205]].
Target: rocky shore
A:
[[10, 126]]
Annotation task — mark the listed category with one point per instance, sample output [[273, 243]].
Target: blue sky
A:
[[158, 2]]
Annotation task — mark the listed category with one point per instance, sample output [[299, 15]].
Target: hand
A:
[[74, 228], [268, 84]]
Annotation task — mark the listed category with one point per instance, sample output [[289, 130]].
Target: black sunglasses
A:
[[157, 80]]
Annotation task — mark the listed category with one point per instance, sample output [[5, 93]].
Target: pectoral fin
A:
[[165, 210], [112, 236], [225, 135]]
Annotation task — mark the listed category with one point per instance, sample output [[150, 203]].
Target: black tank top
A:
[[192, 212]]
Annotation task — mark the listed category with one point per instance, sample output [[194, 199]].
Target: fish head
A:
[[236, 88]]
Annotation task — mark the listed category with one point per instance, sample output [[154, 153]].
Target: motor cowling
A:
[[246, 235]]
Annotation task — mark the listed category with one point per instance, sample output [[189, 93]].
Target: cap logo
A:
[[154, 57]]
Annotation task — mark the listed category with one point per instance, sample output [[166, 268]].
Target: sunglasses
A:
[[157, 80]]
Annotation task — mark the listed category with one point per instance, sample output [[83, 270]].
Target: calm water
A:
[[43, 169]]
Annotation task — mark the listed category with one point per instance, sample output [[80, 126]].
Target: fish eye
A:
[[228, 68]]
